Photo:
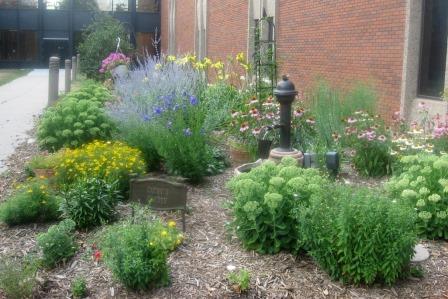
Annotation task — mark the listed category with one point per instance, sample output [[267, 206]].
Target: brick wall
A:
[[185, 26], [226, 28], [344, 41], [164, 15]]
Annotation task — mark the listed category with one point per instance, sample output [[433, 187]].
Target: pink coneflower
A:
[[351, 120], [253, 101], [235, 113], [311, 121], [269, 102], [256, 131], [361, 135], [421, 106], [382, 138], [358, 112], [335, 136], [350, 130], [253, 112], [299, 112], [270, 115], [244, 127]]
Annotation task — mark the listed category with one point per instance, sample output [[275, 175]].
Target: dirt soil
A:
[[199, 266]]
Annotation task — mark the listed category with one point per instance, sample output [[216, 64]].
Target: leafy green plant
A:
[[79, 287], [367, 136], [263, 199], [91, 91], [357, 235], [99, 39], [17, 277], [31, 202], [240, 280], [57, 244], [91, 202], [423, 185], [135, 257], [71, 123]]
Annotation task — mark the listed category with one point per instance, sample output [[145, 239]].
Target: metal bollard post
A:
[[74, 65], [53, 80], [68, 77], [78, 65]]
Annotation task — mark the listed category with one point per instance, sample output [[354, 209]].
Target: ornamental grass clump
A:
[[161, 99], [107, 160], [33, 201], [357, 235], [137, 252], [423, 185], [72, 123], [263, 200]]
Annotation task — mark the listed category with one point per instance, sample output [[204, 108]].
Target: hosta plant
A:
[[423, 185], [71, 123], [357, 235], [263, 200]]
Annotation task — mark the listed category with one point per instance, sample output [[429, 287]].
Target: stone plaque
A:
[[160, 194]]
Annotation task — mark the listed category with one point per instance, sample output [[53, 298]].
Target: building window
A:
[[147, 5], [120, 5], [8, 3], [28, 3], [18, 45], [434, 48]]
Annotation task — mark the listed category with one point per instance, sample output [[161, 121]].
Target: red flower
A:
[[97, 255]]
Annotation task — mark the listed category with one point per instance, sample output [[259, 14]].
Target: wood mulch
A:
[[199, 266]]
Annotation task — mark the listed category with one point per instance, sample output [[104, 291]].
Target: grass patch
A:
[[8, 75]]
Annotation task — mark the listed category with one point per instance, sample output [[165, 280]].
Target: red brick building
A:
[[398, 45]]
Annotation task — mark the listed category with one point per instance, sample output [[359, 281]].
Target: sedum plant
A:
[[57, 244], [357, 235], [71, 123], [32, 202], [423, 185], [263, 200], [91, 202]]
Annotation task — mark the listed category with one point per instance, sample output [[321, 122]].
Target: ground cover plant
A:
[[240, 280], [33, 201], [357, 235], [107, 160], [91, 202], [136, 252], [17, 277], [79, 288], [58, 243], [263, 200], [423, 185]]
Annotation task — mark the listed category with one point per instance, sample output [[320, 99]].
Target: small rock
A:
[[421, 253], [31, 140], [326, 292], [231, 268]]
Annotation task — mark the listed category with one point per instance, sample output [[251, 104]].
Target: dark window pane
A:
[[8, 45], [28, 3], [27, 45], [434, 46], [147, 5], [8, 3], [121, 5]]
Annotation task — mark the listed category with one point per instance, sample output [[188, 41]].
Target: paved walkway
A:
[[20, 101]]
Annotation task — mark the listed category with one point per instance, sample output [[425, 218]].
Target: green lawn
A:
[[7, 75]]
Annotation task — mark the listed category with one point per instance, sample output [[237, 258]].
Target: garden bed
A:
[[199, 266]]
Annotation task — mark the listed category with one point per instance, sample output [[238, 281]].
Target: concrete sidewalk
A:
[[20, 101]]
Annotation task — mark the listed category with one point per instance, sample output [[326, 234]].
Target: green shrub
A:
[[17, 278], [79, 287], [57, 244], [91, 202], [137, 253], [240, 281], [71, 123], [32, 202], [423, 185], [357, 235], [263, 199], [100, 39]]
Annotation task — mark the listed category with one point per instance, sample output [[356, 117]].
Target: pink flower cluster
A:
[[114, 59], [364, 126], [440, 127]]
